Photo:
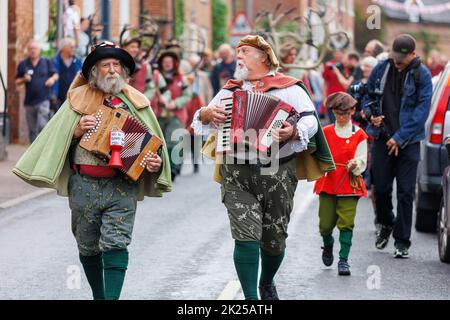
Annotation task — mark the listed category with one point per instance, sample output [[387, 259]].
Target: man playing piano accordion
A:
[[259, 205], [103, 200]]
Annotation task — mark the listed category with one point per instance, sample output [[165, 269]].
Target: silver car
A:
[[434, 156]]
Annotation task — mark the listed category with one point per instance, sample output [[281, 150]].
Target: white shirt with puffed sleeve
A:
[[295, 96]]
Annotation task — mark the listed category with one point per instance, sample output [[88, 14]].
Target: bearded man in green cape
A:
[[102, 199]]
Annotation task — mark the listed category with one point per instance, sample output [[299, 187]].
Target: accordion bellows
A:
[[140, 143], [251, 118]]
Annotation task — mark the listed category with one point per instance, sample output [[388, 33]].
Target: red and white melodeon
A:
[[251, 118]]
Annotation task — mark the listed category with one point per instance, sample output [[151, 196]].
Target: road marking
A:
[[302, 200], [18, 200], [230, 290]]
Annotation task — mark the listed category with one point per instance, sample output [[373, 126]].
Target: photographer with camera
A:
[[397, 106], [351, 63], [338, 74], [358, 89]]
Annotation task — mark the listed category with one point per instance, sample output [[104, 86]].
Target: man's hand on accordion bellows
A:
[[286, 132], [153, 163], [214, 115], [86, 122]]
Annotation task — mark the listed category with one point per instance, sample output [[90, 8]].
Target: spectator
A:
[[224, 70], [67, 66], [72, 19], [331, 82], [434, 63], [83, 38], [402, 86], [373, 48], [39, 75], [351, 63]]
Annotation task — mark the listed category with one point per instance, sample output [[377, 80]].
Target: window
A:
[[88, 8], [350, 8], [40, 18], [124, 13]]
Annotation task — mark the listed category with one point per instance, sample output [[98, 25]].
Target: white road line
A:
[[302, 200], [18, 200], [230, 290]]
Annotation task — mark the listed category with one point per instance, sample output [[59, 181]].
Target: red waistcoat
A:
[[176, 89], [342, 149]]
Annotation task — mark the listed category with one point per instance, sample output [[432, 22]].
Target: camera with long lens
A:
[[358, 89], [376, 112]]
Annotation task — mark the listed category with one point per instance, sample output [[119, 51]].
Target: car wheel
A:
[[443, 238], [426, 215]]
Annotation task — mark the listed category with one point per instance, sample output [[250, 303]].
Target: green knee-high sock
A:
[[115, 263], [246, 262], [345, 239], [269, 267], [93, 268], [328, 240]]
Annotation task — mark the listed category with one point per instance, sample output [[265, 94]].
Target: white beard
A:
[[241, 72], [107, 85]]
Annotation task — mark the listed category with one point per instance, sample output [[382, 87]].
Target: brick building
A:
[[343, 18], [25, 22], [21, 21], [432, 20]]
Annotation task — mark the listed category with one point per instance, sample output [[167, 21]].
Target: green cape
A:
[[45, 164]]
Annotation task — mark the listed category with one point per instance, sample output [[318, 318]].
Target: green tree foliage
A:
[[179, 18], [428, 39], [219, 19]]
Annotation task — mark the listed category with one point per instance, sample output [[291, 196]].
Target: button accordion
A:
[[251, 118], [140, 142]]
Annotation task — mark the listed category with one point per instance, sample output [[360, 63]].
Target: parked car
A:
[[444, 212], [434, 156]]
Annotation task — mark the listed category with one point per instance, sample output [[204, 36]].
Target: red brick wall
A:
[[394, 28], [161, 9], [135, 12], [20, 32], [203, 16]]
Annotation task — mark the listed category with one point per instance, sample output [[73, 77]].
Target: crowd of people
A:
[[365, 114]]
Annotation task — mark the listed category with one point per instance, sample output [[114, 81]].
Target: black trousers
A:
[[403, 168]]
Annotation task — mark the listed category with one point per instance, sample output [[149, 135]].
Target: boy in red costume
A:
[[340, 190]]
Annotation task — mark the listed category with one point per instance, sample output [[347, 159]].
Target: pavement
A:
[[14, 190]]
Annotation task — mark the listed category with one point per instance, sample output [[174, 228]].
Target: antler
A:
[[194, 42], [315, 32]]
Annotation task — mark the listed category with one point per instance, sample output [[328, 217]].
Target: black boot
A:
[[268, 292], [327, 255]]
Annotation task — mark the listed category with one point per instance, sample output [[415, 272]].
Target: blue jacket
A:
[[415, 102], [66, 75]]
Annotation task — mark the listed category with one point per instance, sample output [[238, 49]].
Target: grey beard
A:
[[111, 86], [241, 72]]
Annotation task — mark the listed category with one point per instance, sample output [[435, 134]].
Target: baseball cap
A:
[[403, 45]]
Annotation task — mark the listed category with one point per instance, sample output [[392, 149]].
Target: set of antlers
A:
[[314, 31]]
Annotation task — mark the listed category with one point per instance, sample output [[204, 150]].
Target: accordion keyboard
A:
[[277, 122], [224, 130]]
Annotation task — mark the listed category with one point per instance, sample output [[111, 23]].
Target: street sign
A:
[[240, 27]]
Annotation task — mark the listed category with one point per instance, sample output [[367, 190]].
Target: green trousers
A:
[[259, 206], [340, 212]]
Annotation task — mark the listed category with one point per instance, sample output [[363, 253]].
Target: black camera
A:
[[359, 88], [338, 65]]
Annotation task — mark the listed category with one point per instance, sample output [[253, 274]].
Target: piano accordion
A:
[[140, 142], [251, 118]]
